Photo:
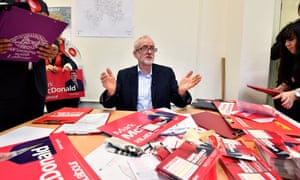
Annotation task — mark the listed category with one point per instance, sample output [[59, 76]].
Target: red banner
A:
[[65, 85]]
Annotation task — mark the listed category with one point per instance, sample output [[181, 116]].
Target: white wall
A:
[[194, 35], [289, 12], [255, 51]]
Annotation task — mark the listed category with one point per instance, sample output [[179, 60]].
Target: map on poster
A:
[[104, 18]]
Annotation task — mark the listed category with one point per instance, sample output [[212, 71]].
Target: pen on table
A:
[[50, 121], [8, 155], [77, 132], [166, 147]]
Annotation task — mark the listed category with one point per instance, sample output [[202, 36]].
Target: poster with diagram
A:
[[104, 18]]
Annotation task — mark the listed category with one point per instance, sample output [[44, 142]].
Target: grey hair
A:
[[137, 42]]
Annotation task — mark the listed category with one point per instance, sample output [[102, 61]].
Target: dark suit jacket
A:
[[14, 76], [72, 84], [164, 90]]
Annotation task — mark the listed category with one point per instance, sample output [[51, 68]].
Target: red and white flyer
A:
[[141, 127], [62, 86], [240, 162], [50, 157]]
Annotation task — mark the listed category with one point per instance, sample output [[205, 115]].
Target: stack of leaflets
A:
[[274, 148], [50, 157], [250, 120], [240, 162], [190, 161]]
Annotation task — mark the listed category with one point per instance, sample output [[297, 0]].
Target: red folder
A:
[[271, 92], [63, 115], [216, 122]]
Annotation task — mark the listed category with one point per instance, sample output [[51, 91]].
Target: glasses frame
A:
[[147, 48]]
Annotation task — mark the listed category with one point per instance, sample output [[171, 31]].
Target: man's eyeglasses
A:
[[147, 48]]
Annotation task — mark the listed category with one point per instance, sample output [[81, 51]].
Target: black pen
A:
[[52, 121]]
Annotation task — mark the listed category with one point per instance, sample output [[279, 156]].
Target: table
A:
[[87, 143]]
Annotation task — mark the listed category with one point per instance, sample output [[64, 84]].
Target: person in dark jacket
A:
[[146, 85], [24, 84], [289, 72], [62, 62], [74, 84], [275, 49]]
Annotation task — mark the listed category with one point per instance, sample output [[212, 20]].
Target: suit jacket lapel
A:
[[133, 85], [154, 83]]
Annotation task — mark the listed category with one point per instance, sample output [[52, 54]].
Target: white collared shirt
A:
[[144, 90]]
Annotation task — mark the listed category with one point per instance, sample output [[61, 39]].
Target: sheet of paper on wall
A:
[[23, 134], [88, 124]]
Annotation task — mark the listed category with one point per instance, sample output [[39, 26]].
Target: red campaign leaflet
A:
[[190, 161], [256, 109], [141, 127], [27, 31], [51, 157], [61, 86], [63, 115], [240, 162], [278, 124], [271, 92], [274, 147]]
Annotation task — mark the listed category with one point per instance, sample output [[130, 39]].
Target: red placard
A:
[[143, 126], [61, 86], [52, 157]]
